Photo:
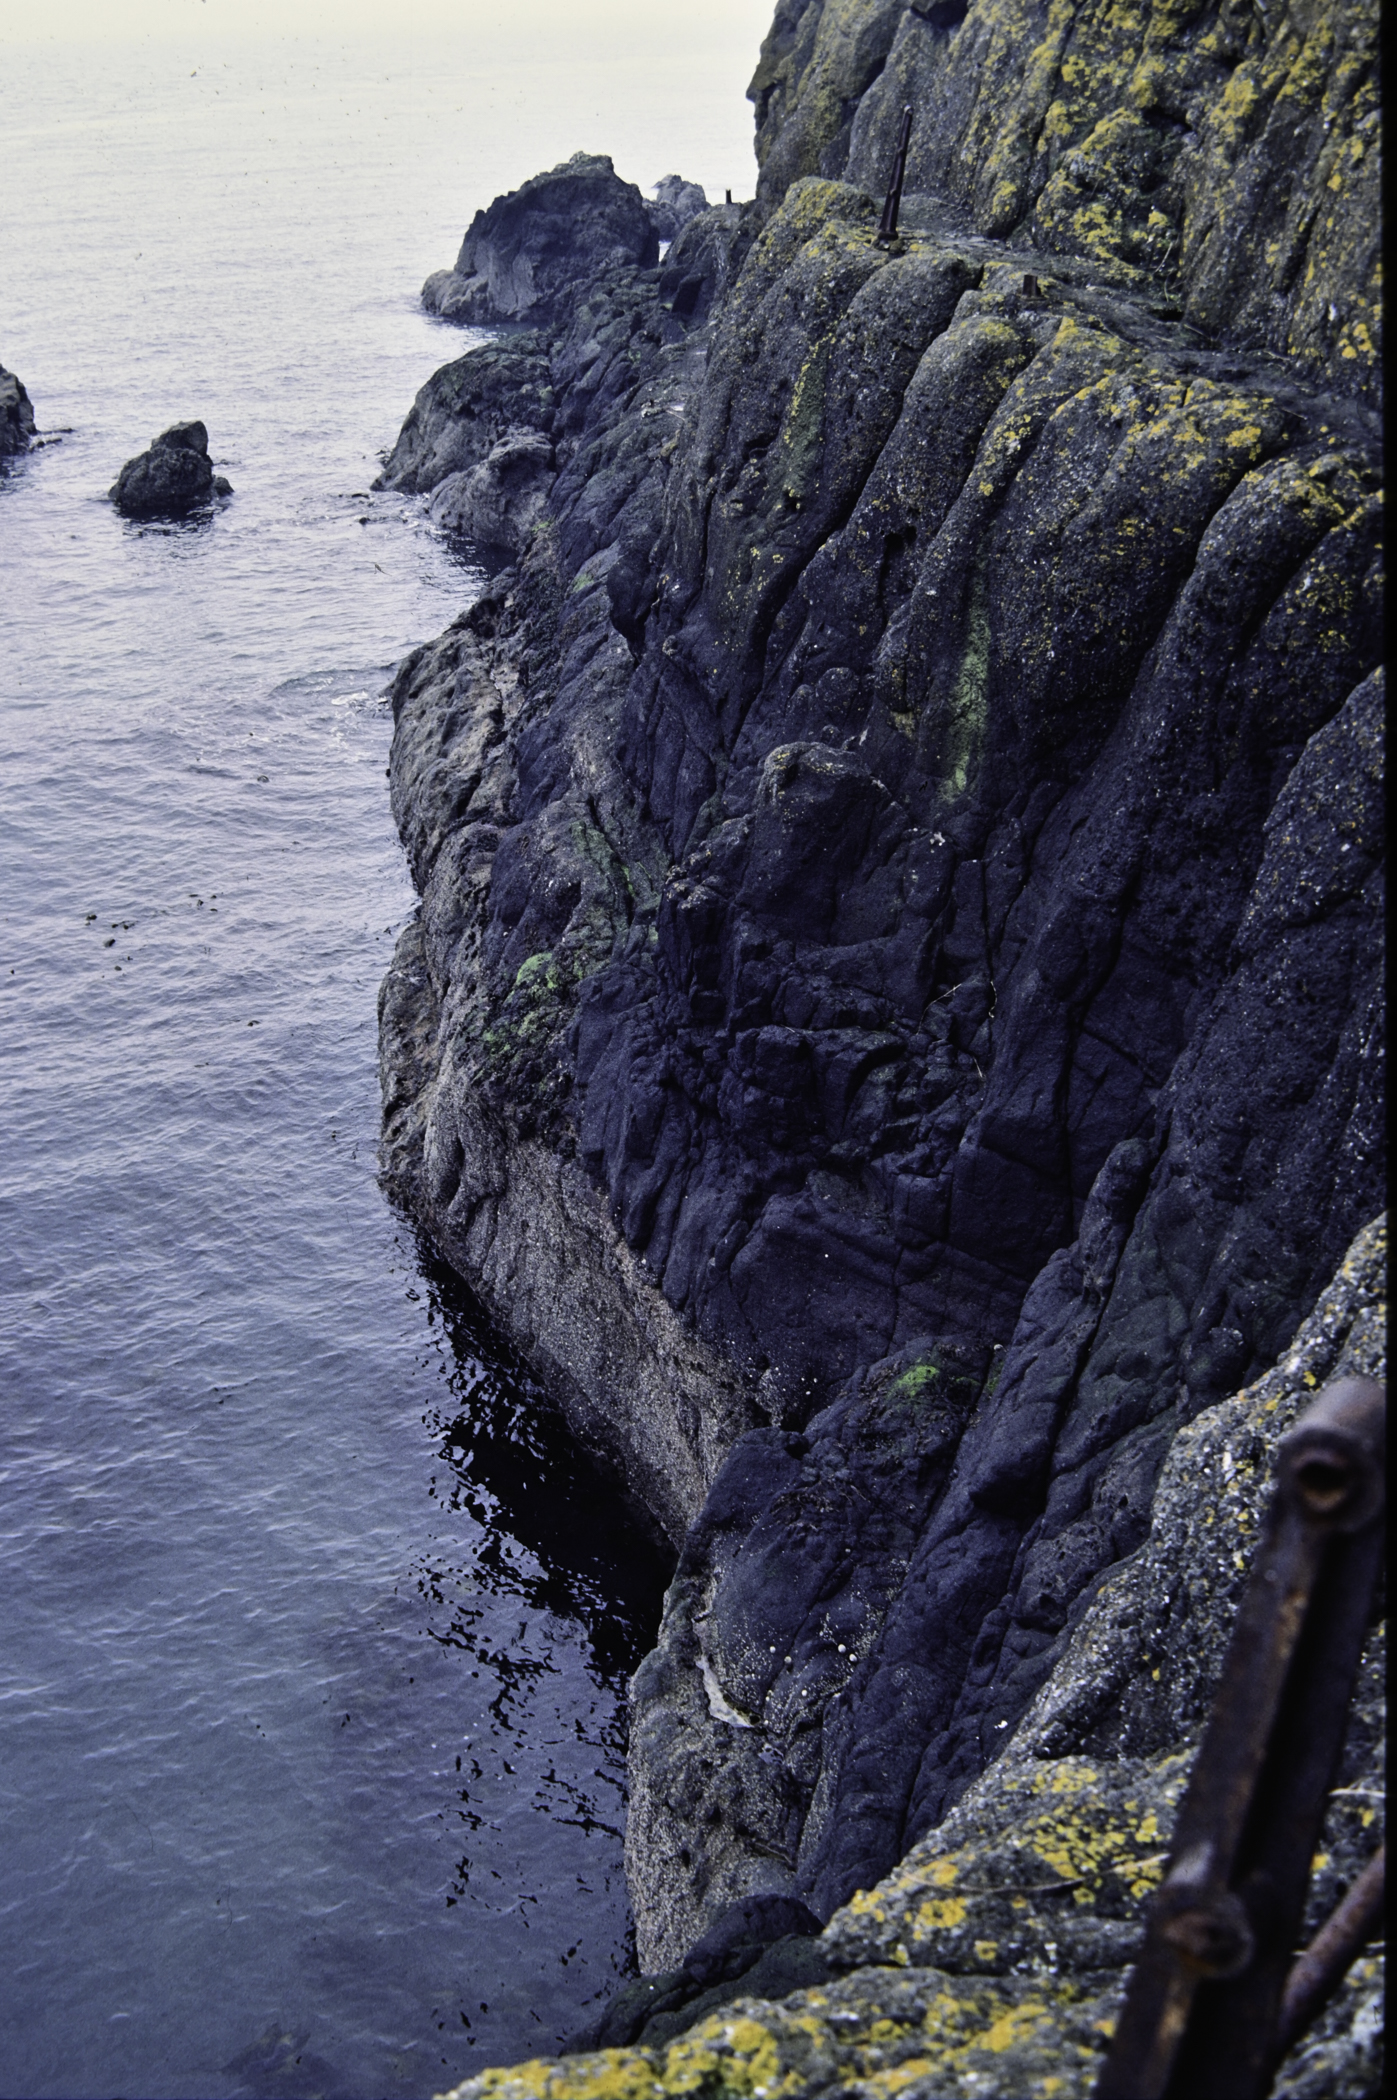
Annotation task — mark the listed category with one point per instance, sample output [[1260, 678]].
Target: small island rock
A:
[[528, 253], [172, 478], [16, 416]]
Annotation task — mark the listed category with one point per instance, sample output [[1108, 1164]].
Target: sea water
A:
[[314, 1628]]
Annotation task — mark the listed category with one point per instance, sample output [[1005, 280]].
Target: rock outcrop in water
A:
[[16, 416], [894, 1026], [528, 254], [174, 477]]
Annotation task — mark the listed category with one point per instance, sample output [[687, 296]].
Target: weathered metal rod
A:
[[1203, 2002], [887, 225], [1322, 1967]]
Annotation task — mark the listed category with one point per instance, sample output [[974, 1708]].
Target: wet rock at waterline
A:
[[498, 503], [16, 416], [174, 477]]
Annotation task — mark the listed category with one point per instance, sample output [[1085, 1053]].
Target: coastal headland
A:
[[893, 1033]]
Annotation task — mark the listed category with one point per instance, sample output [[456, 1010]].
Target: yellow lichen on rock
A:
[[886, 2032], [1226, 156]]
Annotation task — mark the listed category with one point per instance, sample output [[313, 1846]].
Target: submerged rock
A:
[[16, 416], [527, 255], [174, 477]]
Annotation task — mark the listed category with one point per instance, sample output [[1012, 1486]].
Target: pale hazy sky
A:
[[512, 24]]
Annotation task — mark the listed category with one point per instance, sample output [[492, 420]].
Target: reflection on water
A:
[[555, 1533]]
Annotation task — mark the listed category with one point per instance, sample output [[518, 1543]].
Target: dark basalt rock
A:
[[16, 416], [762, 1947], [526, 256], [894, 1025], [705, 260], [174, 477]]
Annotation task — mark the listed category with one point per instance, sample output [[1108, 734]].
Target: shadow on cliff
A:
[[516, 1468]]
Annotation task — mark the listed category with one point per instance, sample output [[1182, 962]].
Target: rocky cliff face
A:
[[1227, 154], [992, 1959], [893, 1030]]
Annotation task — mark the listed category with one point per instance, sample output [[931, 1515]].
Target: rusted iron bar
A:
[[887, 225], [1203, 2003], [1318, 1972]]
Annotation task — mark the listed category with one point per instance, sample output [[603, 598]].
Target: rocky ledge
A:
[[172, 478], [893, 1030]]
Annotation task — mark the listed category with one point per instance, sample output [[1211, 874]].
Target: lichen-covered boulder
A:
[[528, 255], [16, 416], [174, 477]]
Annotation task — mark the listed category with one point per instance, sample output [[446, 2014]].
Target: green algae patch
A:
[[917, 1384]]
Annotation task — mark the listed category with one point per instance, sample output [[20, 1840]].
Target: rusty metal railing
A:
[[1217, 1995]]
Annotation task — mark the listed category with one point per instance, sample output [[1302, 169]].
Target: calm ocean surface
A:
[[313, 1632]]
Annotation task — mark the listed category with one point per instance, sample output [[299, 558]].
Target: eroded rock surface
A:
[[894, 1026], [174, 477], [993, 1958]]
